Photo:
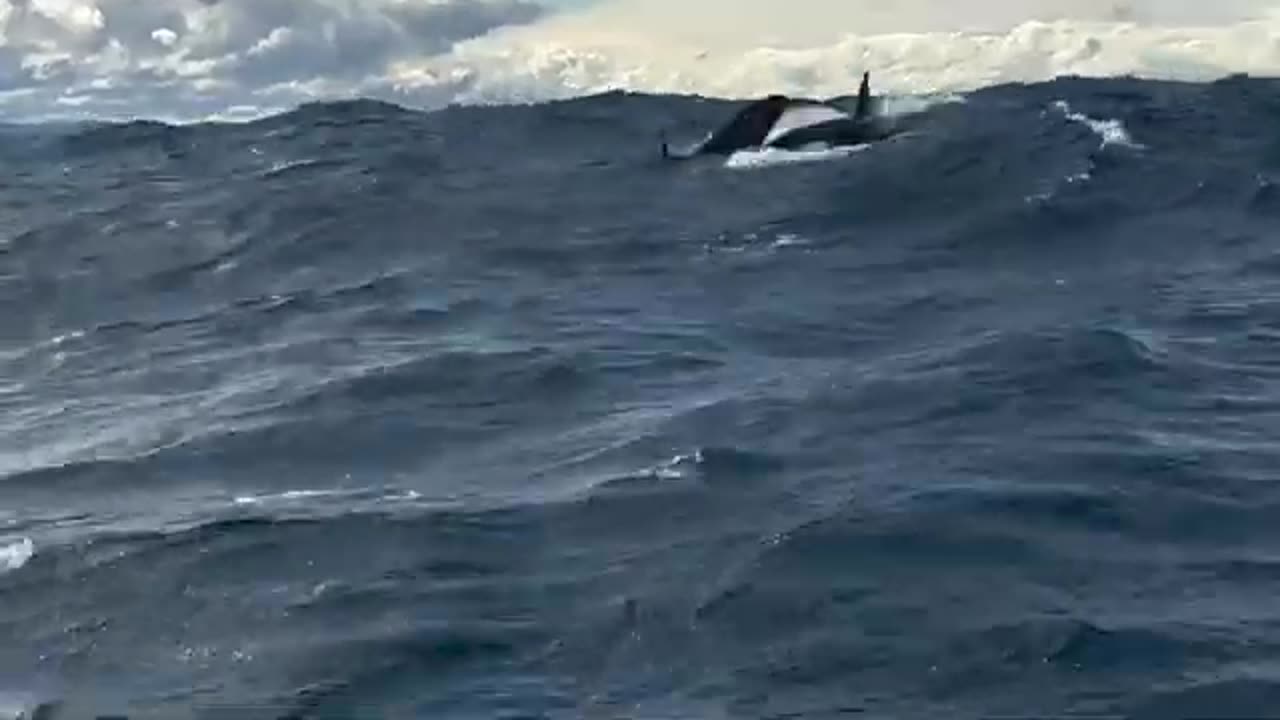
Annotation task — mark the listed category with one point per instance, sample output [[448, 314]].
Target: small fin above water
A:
[[863, 109]]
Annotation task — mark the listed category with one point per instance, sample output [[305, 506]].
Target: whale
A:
[[786, 123]]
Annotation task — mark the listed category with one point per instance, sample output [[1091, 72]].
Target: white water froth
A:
[[367, 494], [14, 554], [746, 159], [1111, 131], [279, 167]]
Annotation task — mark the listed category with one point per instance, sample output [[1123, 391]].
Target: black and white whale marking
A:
[[785, 123]]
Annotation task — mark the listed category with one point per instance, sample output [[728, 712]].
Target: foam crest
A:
[[302, 496], [1111, 131], [14, 554], [766, 157]]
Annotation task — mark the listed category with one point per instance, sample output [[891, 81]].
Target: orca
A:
[[786, 123]]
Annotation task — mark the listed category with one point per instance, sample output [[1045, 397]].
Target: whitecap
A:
[[14, 554], [357, 494], [744, 159], [1111, 131], [789, 240], [279, 167]]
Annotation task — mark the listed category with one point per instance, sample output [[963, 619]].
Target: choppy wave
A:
[[491, 412]]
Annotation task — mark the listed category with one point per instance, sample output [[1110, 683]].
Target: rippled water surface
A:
[[488, 412]]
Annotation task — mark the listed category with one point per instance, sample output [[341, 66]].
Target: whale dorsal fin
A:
[[863, 110]]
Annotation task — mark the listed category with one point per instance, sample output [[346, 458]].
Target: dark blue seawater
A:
[[362, 412]]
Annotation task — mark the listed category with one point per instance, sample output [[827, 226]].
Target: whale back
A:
[[784, 121], [748, 127]]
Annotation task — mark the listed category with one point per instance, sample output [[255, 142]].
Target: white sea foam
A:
[[279, 167], [15, 553], [766, 157], [1111, 131], [286, 496], [357, 494]]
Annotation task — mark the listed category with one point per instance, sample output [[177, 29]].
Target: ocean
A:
[[362, 411]]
